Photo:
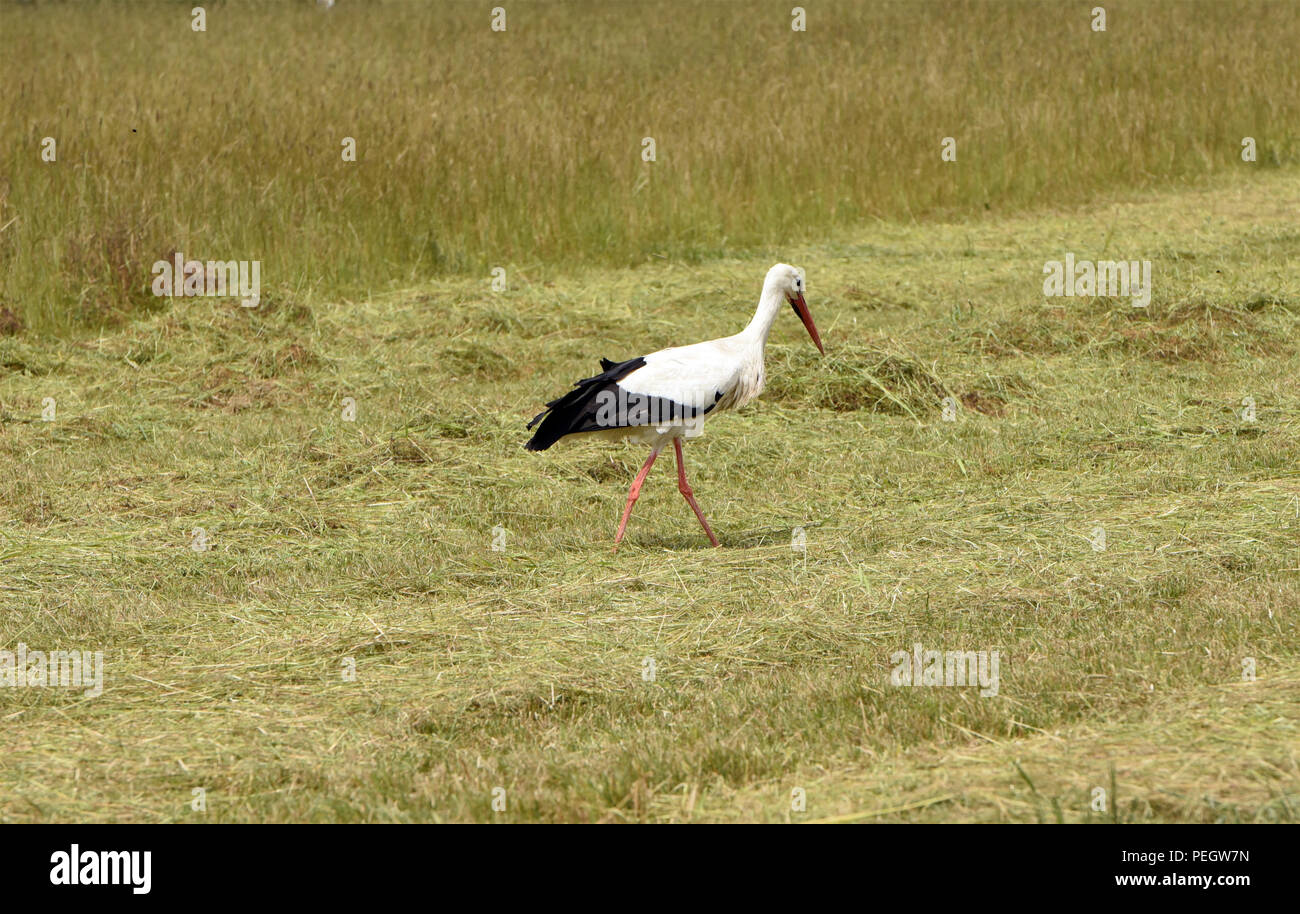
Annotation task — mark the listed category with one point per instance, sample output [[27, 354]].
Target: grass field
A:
[[372, 541], [523, 148], [401, 615]]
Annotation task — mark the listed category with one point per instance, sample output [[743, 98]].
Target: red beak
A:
[[801, 308]]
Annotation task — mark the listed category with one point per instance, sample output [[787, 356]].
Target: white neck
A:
[[769, 305]]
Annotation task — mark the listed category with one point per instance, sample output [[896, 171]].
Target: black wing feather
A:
[[576, 410]]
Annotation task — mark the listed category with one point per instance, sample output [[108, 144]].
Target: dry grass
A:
[[1222, 753], [521, 669]]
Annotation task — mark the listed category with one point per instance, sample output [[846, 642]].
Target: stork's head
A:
[[790, 281]]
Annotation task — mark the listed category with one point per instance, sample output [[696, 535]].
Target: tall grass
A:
[[523, 147]]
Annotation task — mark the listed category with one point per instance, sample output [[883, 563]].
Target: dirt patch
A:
[[10, 323], [986, 403]]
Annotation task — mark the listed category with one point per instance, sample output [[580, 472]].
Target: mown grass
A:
[[522, 669], [522, 149]]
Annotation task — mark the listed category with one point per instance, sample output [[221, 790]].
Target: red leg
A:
[[632, 494], [685, 489]]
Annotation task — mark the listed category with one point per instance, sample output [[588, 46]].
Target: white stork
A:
[[666, 395]]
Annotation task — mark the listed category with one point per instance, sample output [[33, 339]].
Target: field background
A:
[[522, 148], [522, 669]]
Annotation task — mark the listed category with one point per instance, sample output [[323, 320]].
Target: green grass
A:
[[522, 669], [522, 148]]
